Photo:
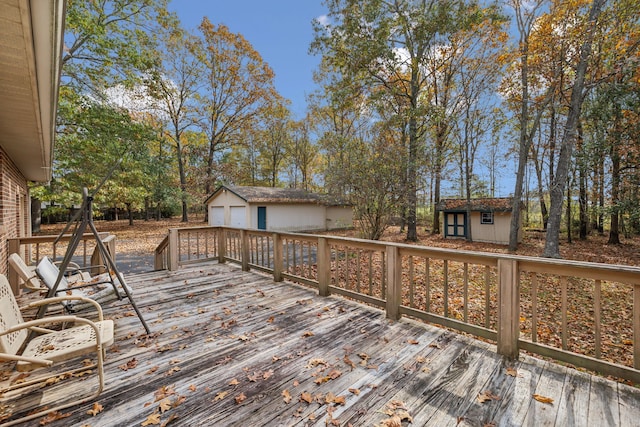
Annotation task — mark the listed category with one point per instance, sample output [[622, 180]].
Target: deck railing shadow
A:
[[584, 314]]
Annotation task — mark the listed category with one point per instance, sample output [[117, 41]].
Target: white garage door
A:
[[238, 217], [216, 216]]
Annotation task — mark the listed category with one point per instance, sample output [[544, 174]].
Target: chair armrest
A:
[[55, 300], [15, 358], [33, 324], [27, 284], [37, 322]]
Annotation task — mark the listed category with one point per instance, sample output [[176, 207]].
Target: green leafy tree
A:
[[98, 141], [108, 42]]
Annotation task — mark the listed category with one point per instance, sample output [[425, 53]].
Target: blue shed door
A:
[[262, 217]]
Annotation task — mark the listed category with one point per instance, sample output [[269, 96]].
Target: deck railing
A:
[[584, 314], [33, 248]]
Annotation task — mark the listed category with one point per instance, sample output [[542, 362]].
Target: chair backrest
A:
[[48, 272], [25, 273], [10, 316]]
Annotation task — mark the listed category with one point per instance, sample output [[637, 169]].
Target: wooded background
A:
[[415, 100]]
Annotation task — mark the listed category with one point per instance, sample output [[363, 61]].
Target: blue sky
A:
[[280, 30]]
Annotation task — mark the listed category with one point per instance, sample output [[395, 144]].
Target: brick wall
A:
[[14, 206]]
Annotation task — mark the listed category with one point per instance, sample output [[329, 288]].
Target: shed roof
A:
[[500, 204], [252, 194]]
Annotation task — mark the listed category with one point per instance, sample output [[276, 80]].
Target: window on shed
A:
[[486, 218]]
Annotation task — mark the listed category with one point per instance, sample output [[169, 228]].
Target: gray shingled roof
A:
[[502, 204], [279, 195]]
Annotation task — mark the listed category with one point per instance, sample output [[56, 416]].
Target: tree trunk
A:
[[523, 149], [568, 214], [614, 232], [412, 175], [130, 213], [543, 204], [552, 247], [183, 182], [582, 197]]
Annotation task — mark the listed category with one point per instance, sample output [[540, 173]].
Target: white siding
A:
[[339, 217], [291, 217], [498, 232]]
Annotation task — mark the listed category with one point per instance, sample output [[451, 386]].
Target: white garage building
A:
[[277, 209]]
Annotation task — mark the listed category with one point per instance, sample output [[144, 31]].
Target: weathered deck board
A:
[[214, 324]]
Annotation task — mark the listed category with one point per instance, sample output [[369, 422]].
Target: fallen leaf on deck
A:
[[349, 362], [315, 362], [172, 371], [543, 399], [192, 387], [172, 418], [413, 342], [332, 398], [487, 396], [234, 382], [164, 405], [95, 409], [286, 396], [394, 421], [129, 365], [306, 397], [163, 392], [268, 374], [307, 334], [240, 398], [153, 419], [179, 401], [220, 396], [512, 372], [354, 391]]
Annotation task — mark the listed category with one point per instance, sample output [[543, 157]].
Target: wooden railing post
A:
[[508, 308], [394, 282], [244, 239], [14, 248], [324, 267], [222, 246], [277, 257], [174, 252]]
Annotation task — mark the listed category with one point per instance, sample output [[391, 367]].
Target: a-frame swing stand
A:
[[86, 220]]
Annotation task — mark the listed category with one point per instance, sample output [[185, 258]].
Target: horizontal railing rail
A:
[[585, 314]]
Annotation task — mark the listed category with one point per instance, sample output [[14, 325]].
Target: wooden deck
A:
[[233, 348]]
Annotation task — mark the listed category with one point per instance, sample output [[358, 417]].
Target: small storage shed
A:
[[277, 209], [490, 219]]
